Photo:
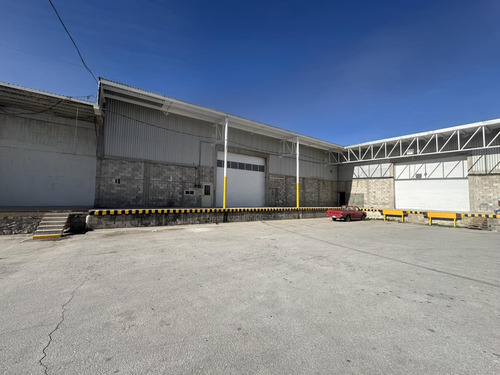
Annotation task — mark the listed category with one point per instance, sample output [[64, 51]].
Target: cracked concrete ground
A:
[[282, 297]]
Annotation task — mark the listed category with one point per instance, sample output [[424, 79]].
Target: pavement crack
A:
[[63, 316]]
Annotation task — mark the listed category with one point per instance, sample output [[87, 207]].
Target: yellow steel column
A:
[[298, 188], [224, 193]]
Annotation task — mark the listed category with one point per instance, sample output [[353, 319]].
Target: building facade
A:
[[156, 151], [134, 148]]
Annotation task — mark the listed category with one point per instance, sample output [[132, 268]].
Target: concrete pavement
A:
[[280, 297]]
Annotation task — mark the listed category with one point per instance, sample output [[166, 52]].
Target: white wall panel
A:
[[380, 170], [454, 167], [433, 195], [437, 185], [485, 161]]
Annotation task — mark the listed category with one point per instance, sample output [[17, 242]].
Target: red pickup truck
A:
[[347, 213]]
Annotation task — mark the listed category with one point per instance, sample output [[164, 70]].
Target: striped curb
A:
[[202, 210]]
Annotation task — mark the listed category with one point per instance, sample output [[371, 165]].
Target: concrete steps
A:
[[480, 223], [51, 226]]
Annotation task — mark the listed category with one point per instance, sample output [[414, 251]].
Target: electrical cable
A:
[[104, 110], [72, 40], [31, 113]]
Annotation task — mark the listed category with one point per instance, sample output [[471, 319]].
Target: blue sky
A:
[[342, 71]]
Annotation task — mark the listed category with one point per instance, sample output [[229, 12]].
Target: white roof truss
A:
[[476, 136]]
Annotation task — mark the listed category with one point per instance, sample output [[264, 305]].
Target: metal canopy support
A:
[[477, 136], [219, 132], [288, 146], [332, 158]]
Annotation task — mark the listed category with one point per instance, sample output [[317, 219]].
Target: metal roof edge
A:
[[429, 133], [286, 133], [46, 93]]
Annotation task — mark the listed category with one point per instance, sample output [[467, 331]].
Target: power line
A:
[[311, 159], [31, 113], [72, 40]]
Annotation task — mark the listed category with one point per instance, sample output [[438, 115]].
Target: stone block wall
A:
[[313, 192], [369, 192], [484, 191], [146, 184], [147, 220]]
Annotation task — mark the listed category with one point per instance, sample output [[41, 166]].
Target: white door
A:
[[206, 198], [246, 180], [434, 185]]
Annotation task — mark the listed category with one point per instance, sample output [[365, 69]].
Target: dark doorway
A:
[[342, 198]]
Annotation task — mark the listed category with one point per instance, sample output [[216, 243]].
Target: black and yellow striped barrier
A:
[[481, 215], [201, 210], [402, 213]]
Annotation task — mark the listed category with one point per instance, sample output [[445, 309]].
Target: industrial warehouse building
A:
[[134, 148]]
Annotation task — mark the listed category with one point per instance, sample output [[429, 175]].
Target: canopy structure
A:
[[457, 139]]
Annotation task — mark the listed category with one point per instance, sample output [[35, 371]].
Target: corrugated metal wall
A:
[[312, 164], [369, 170], [47, 160], [282, 160], [137, 132], [485, 161]]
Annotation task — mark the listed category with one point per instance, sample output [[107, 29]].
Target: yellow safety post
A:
[[224, 193], [298, 189], [298, 195], [394, 213], [442, 215], [225, 190]]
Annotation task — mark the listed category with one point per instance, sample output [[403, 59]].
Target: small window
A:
[[241, 165], [248, 167], [255, 168], [206, 190], [117, 180], [189, 192], [234, 165], [220, 163], [261, 168]]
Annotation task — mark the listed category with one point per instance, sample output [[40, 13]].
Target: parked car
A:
[[347, 213]]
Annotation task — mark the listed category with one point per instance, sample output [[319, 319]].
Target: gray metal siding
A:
[[47, 161], [137, 132]]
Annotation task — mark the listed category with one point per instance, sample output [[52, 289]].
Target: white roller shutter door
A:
[[435, 185], [246, 180]]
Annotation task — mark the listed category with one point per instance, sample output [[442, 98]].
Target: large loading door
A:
[[246, 180], [436, 185]]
